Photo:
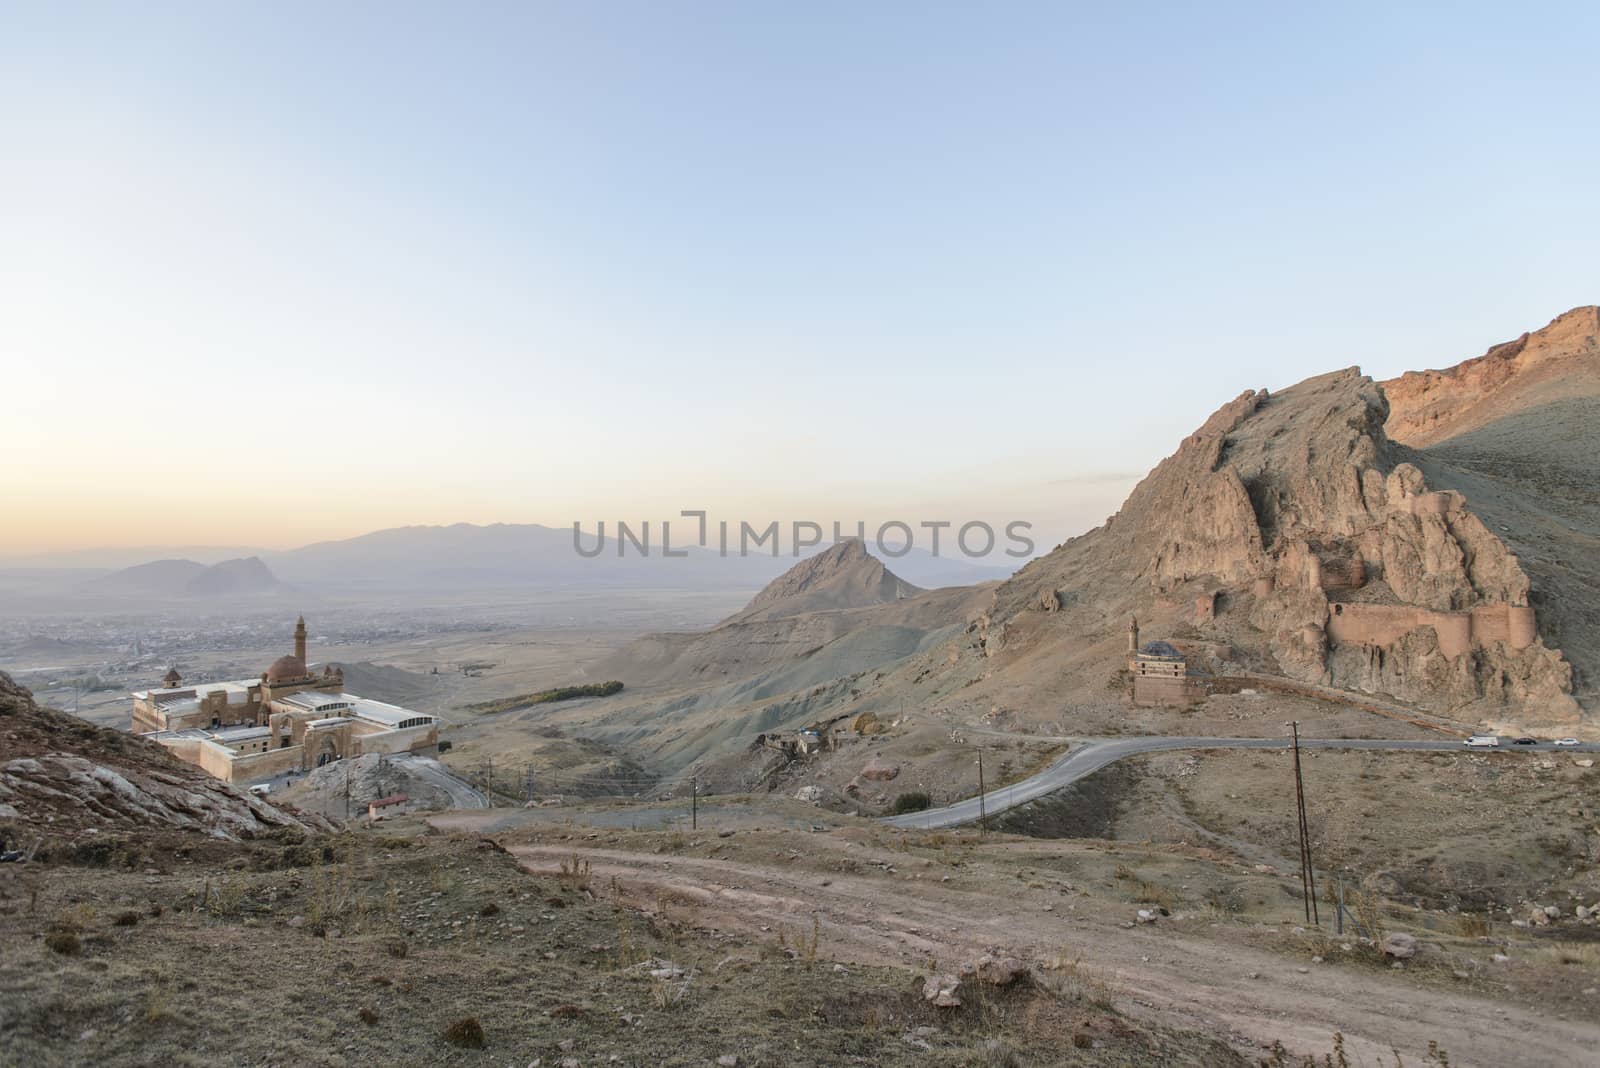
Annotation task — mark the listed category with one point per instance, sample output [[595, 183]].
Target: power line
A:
[[1308, 878]]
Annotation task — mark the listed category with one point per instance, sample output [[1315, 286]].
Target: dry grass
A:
[[797, 943], [395, 987], [63, 942], [466, 1033]]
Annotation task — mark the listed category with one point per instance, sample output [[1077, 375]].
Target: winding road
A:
[[1096, 753]]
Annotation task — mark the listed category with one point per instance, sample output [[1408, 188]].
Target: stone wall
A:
[[1458, 632], [402, 741], [248, 767], [1165, 690]]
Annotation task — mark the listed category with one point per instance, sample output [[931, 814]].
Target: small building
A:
[[387, 808], [1160, 673]]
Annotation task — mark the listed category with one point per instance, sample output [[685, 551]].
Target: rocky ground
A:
[[1150, 928], [405, 947], [67, 787]]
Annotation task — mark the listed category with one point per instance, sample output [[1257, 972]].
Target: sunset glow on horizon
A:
[[274, 275]]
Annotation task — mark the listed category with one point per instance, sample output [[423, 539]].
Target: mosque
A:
[[290, 719]]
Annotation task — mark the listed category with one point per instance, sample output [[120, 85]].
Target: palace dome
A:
[[286, 667]]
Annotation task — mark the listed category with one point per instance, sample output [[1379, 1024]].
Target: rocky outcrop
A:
[[1515, 432], [1351, 570], [842, 576], [67, 779]]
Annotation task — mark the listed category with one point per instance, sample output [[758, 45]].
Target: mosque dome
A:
[[286, 667]]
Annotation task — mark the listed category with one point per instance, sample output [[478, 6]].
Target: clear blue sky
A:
[[595, 260]]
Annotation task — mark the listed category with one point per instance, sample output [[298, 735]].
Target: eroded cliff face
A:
[[1327, 552], [1427, 407]]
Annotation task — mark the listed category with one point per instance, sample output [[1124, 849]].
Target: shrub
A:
[[545, 697], [911, 801], [63, 942], [466, 1032], [369, 1015], [127, 919], [491, 909]]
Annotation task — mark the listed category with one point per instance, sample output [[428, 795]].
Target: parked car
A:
[[1526, 741], [1566, 741], [1483, 741]]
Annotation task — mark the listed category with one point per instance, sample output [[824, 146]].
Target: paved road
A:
[[462, 793], [1098, 752]]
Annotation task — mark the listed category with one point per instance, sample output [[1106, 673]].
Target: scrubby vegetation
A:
[[911, 801], [545, 697], [561, 970]]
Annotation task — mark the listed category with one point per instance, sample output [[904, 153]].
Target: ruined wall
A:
[[1165, 690], [1458, 632]]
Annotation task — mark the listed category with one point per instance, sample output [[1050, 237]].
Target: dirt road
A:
[[878, 913]]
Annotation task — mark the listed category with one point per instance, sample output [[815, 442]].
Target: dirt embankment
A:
[[882, 898]]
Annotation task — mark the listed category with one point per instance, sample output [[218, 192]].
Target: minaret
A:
[[1133, 635], [300, 639]]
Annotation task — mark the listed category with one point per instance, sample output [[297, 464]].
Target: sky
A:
[[276, 273]]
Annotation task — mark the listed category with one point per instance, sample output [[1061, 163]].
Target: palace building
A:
[[290, 719]]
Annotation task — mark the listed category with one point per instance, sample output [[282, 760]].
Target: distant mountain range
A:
[[460, 557], [186, 578], [466, 556]]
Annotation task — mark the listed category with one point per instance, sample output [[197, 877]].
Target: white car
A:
[[1566, 741], [1483, 741]]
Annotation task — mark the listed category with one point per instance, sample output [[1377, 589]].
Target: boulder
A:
[[867, 723], [941, 990], [1538, 917], [809, 794], [1146, 916], [995, 971], [877, 771], [1400, 946]]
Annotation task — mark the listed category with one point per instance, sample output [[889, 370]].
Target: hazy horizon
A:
[[277, 274]]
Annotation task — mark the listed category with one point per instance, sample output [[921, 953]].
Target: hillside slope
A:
[[1516, 431], [790, 656], [73, 785]]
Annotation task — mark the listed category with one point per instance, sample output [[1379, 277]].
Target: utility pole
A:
[[347, 792], [983, 816], [1308, 878], [694, 803], [488, 780]]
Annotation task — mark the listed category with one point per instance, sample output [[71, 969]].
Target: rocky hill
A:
[[73, 785], [843, 576], [1291, 527]]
